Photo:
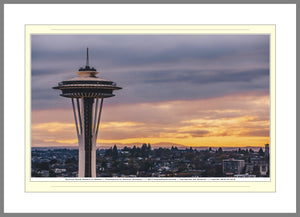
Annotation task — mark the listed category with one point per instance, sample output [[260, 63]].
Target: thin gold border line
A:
[[59, 186], [151, 29]]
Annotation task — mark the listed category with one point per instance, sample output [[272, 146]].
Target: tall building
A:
[[233, 167], [267, 150], [87, 92]]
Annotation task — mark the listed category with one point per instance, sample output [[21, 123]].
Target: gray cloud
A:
[[258, 133], [197, 133], [152, 68]]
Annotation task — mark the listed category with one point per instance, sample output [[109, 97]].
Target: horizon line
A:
[[181, 146]]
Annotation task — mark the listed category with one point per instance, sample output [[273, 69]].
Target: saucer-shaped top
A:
[[87, 85]]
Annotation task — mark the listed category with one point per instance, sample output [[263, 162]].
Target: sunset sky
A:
[[190, 90]]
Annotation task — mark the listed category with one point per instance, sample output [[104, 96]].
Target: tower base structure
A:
[[86, 169]]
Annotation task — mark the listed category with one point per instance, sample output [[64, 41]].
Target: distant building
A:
[[58, 170], [267, 150], [263, 169], [249, 168], [233, 167], [45, 173]]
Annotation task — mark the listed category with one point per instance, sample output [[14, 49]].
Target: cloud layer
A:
[[152, 68], [185, 89]]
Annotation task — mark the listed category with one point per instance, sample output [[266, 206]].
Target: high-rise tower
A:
[[86, 92], [267, 150]]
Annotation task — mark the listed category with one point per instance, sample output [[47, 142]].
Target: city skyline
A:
[[193, 90]]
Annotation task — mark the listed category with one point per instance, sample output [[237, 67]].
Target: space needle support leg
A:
[[79, 116], [75, 118], [99, 115], [95, 117]]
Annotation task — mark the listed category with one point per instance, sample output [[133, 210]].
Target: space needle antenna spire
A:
[[87, 57]]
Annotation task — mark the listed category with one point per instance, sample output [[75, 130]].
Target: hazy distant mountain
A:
[[153, 146]]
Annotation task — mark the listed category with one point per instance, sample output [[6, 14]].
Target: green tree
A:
[[103, 164], [108, 152], [211, 172], [71, 160], [144, 150], [53, 161], [261, 152], [132, 166], [256, 170], [220, 150], [115, 152], [197, 162], [44, 166], [52, 173], [126, 148], [218, 171]]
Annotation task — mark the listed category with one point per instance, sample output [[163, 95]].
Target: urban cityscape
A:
[[145, 161]]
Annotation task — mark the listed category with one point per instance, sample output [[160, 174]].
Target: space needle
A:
[[87, 92]]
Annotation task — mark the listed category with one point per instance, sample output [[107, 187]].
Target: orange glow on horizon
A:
[[229, 121]]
